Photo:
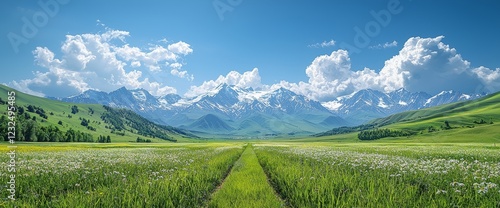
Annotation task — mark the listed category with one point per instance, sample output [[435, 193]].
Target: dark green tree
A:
[[30, 131], [74, 109], [84, 122], [447, 125]]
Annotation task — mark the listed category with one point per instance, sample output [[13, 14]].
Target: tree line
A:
[[345, 130], [381, 133]]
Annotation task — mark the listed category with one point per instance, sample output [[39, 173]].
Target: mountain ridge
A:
[[236, 107], [368, 104]]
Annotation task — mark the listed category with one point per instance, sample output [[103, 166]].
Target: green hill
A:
[[469, 121], [485, 108], [468, 113], [121, 125], [210, 123]]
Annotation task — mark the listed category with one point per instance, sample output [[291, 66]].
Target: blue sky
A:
[[309, 47]]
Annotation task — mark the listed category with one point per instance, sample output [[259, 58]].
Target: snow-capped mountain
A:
[[232, 110], [236, 103], [449, 97], [138, 100], [366, 105], [169, 99], [243, 111], [249, 111]]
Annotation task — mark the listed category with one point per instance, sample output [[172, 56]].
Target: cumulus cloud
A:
[[104, 61], [135, 64], [490, 78], [428, 65], [385, 45], [176, 71], [246, 80], [323, 44], [151, 59], [331, 76], [180, 48], [422, 65]]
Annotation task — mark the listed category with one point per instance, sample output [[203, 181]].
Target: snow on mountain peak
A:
[[382, 104], [139, 95], [400, 90], [465, 97]]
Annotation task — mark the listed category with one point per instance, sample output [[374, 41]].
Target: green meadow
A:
[[258, 174]]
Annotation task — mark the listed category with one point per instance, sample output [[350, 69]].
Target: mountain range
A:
[[234, 111], [366, 105]]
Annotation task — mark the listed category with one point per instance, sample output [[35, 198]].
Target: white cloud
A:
[[176, 65], [45, 58], [423, 64], [490, 78], [163, 40], [323, 44], [176, 71], [327, 68], [429, 65], [245, 80], [385, 45], [135, 64], [331, 76], [151, 59], [182, 74], [40, 79], [180, 48], [98, 61], [76, 53]]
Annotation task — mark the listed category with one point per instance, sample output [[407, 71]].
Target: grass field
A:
[[263, 174], [118, 176], [392, 175]]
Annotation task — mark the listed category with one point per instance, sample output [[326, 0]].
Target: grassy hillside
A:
[[122, 125], [477, 113], [469, 121], [485, 108]]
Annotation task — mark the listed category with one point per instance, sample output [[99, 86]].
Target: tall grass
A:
[[303, 174], [315, 176], [120, 177]]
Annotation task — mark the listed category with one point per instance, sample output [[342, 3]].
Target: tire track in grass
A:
[[246, 185], [228, 172]]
